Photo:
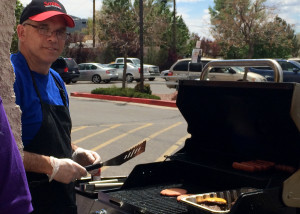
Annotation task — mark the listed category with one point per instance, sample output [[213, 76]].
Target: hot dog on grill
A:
[[261, 165], [285, 168], [243, 167], [253, 165]]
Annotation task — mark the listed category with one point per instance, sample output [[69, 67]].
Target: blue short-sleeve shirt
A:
[[27, 98]]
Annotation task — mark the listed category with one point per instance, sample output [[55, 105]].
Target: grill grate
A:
[[149, 199]]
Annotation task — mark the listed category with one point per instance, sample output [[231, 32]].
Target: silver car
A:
[[234, 74], [132, 71], [184, 69], [96, 73], [153, 69]]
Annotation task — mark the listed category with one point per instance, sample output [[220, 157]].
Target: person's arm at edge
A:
[[74, 147], [37, 163]]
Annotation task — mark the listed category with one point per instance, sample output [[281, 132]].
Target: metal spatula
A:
[[120, 159]]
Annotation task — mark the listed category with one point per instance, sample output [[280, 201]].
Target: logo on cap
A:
[[52, 4]]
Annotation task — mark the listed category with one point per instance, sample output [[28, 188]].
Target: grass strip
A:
[[127, 92]]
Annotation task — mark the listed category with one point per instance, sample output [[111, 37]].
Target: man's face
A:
[[43, 41]]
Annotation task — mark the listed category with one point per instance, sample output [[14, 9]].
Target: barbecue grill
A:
[[228, 122]]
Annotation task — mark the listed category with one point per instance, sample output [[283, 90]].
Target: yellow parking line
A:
[[104, 168], [162, 131], [120, 136], [173, 148], [147, 139], [96, 133], [79, 128]]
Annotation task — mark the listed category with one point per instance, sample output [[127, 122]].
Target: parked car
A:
[[290, 68], [234, 74], [164, 73], [96, 73], [67, 69], [132, 71], [153, 69], [184, 69], [297, 59]]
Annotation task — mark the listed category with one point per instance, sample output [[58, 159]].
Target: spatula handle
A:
[[94, 166]]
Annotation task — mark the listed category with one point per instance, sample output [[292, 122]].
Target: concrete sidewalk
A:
[[167, 100]]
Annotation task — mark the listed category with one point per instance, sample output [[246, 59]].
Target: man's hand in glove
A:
[[86, 157], [65, 170]]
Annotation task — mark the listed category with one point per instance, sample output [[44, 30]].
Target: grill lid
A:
[[242, 120]]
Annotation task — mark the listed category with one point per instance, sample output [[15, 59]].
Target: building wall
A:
[[7, 77]]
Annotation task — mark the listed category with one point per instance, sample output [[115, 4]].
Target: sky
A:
[[194, 12]]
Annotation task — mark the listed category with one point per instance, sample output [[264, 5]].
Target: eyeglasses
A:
[[43, 30]]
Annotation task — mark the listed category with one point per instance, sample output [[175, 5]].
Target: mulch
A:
[[169, 97]]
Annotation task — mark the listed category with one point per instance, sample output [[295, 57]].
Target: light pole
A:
[[94, 21], [141, 45], [174, 26]]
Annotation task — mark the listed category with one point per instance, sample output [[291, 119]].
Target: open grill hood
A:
[[242, 120]]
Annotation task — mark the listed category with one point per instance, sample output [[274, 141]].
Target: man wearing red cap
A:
[[51, 162]]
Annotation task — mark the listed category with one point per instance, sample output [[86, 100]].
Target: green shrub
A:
[[127, 92], [146, 90]]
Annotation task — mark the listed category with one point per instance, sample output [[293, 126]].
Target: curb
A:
[[127, 99]]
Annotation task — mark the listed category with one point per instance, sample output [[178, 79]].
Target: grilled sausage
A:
[[243, 166], [173, 192], [285, 168], [258, 167], [266, 163], [262, 166]]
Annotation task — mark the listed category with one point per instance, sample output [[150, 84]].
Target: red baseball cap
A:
[[40, 10]]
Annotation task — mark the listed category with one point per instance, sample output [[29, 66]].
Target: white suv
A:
[[132, 71], [153, 69], [184, 69]]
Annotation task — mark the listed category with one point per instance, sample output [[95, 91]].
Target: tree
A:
[[237, 23], [157, 33], [18, 12], [117, 22], [167, 54], [298, 42], [282, 44], [242, 26], [155, 24], [80, 53]]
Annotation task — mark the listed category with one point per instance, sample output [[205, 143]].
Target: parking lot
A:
[[111, 128], [157, 86]]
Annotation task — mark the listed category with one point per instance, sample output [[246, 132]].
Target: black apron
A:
[[53, 139]]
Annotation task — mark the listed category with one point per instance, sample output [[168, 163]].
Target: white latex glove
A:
[[86, 157], [65, 170]]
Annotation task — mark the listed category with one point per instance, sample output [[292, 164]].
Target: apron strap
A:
[[35, 87], [61, 91]]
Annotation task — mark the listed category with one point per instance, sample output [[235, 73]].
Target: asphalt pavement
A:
[[112, 127]]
